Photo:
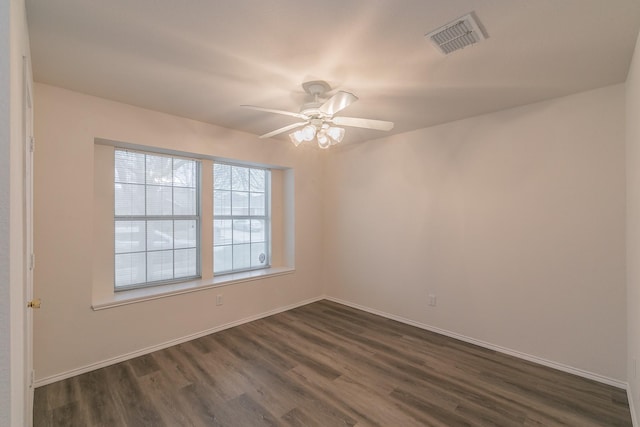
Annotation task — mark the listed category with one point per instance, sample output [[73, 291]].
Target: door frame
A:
[[29, 259]]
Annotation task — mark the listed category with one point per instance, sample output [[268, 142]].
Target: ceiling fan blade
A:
[[363, 123], [338, 102], [270, 110], [283, 129]]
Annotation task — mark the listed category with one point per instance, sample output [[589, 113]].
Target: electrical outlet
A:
[[432, 300], [219, 299]]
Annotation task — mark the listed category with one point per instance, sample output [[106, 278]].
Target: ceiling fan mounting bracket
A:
[[316, 87]]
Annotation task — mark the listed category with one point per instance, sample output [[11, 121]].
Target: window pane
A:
[[151, 249], [185, 262], [130, 236], [129, 167], [240, 178], [159, 235], [241, 257], [241, 231], [239, 203], [258, 254], [184, 201], [257, 206], [159, 170], [222, 232], [221, 177], [257, 182], [184, 233], [184, 173], [129, 199], [222, 258], [257, 230], [240, 242], [221, 202], [159, 266], [130, 269], [159, 200]]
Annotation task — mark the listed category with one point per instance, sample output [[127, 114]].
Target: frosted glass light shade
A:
[[336, 133], [326, 136], [309, 131], [296, 137], [323, 141]]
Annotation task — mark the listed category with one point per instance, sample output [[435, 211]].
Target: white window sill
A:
[[146, 294]]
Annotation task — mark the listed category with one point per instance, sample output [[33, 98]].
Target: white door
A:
[[28, 242]]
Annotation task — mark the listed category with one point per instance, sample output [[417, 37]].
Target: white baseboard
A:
[[565, 368], [113, 360], [535, 359], [634, 418]]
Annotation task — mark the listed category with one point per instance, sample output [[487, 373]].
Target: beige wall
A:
[[68, 334], [514, 220], [633, 227]]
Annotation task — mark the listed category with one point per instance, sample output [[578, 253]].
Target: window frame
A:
[[266, 217], [147, 218]]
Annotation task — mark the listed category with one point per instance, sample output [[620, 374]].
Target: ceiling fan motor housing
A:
[[312, 109], [316, 87]]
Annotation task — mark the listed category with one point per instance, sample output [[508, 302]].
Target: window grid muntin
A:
[[173, 218], [265, 218]]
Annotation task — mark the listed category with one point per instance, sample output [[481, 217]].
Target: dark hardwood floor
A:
[[328, 365]]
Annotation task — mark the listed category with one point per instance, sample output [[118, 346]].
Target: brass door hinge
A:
[[34, 303]]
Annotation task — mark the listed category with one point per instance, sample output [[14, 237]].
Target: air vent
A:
[[457, 34]]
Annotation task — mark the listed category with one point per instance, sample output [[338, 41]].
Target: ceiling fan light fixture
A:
[[323, 141], [308, 132], [296, 137], [326, 136], [336, 133]]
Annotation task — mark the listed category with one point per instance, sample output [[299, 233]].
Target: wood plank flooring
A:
[[328, 365]]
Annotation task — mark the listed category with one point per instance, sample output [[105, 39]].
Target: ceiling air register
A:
[[458, 34]]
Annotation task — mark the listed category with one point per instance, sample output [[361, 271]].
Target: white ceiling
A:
[[202, 59]]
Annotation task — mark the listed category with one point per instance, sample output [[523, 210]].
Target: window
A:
[[241, 224], [157, 222]]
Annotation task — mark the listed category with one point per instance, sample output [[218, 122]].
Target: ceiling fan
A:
[[318, 117]]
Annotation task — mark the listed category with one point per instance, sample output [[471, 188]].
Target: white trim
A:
[[133, 296], [559, 366], [113, 360], [634, 419], [535, 359]]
